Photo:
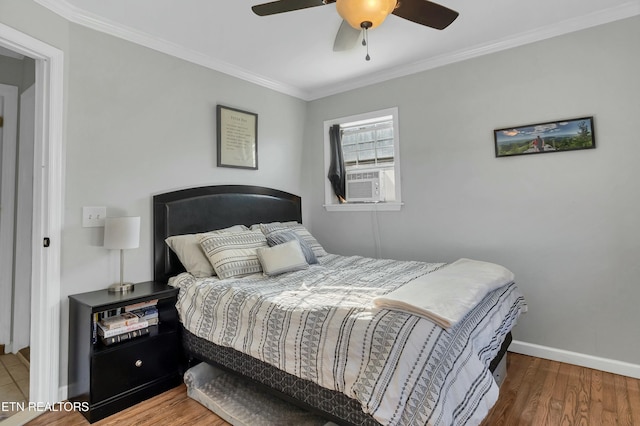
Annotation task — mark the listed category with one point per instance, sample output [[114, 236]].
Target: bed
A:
[[447, 379]]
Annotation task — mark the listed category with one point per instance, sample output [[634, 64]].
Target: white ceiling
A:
[[292, 52]]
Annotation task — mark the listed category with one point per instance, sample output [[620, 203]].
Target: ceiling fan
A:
[[362, 15]]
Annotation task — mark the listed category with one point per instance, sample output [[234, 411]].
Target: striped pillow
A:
[[299, 229], [187, 248], [234, 255]]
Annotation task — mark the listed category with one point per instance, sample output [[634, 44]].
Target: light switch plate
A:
[[93, 216]]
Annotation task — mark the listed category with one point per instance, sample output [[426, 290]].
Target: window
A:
[[368, 143], [371, 160]]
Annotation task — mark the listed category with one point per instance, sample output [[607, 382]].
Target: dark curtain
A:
[[336, 169]]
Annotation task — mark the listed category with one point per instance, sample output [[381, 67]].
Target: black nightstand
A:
[[112, 378]]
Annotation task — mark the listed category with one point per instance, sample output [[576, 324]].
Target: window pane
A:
[[367, 155], [350, 157], [366, 136], [385, 153], [385, 133], [366, 145], [385, 142]]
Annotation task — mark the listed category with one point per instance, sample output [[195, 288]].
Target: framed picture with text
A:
[[237, 134], [553, 136]]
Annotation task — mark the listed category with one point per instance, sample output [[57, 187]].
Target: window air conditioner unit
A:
[[364, 186]]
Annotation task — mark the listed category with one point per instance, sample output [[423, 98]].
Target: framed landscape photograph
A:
[[554, 136], [237, 133]]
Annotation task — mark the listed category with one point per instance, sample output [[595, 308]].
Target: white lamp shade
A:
[[122, 232]]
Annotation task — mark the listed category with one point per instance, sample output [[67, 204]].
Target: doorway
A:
[[16, 200], [14, 311], [8, 155], [48, 173]]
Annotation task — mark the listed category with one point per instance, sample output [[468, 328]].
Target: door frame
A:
[[48, 185]]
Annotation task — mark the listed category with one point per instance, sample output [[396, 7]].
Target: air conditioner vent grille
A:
[[364, 186]]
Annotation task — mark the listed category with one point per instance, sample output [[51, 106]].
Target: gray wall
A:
[[11, 71], [139, 122], [28, 73], [17, 72], [565, 223]]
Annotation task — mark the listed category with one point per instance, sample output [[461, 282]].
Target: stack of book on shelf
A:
[[121, 324]]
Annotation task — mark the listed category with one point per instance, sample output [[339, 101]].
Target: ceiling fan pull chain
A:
[[366, 33], [365, 37]]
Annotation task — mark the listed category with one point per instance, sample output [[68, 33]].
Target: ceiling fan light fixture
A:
[[356, 12]]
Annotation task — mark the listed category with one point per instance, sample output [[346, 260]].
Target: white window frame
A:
[[331, 202]]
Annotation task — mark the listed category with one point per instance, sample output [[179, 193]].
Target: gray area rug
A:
[[242, 403]]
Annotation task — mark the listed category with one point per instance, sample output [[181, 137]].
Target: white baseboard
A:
[[575, 358], [63, 393]]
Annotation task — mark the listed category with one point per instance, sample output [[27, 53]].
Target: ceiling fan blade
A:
[[346, 37], [281, 6], [426, 13]]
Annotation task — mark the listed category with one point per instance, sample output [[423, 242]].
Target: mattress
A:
[[320, 325]]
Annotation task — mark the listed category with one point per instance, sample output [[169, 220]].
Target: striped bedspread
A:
[[320, 324]]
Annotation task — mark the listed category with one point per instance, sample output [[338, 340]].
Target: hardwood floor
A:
[[542, 392], [535, 392], [170, 408]]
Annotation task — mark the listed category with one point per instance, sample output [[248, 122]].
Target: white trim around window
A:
[[331, 202]]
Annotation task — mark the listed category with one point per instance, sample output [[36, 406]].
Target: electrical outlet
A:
[[93, 216]]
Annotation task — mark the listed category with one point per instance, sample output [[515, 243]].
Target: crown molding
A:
[[86, 19], [81, 17]]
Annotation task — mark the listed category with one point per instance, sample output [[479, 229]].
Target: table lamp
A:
[[121, 233]]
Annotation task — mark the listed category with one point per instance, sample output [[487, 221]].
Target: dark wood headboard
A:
[[208, 208]]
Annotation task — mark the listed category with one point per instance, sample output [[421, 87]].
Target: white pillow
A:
[[285, 257], [187, 248], [233, 255], [280, 236]]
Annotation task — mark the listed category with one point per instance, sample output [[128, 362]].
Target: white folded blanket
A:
[[445, 296]]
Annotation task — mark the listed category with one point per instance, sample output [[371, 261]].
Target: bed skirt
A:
[[329, 403]]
